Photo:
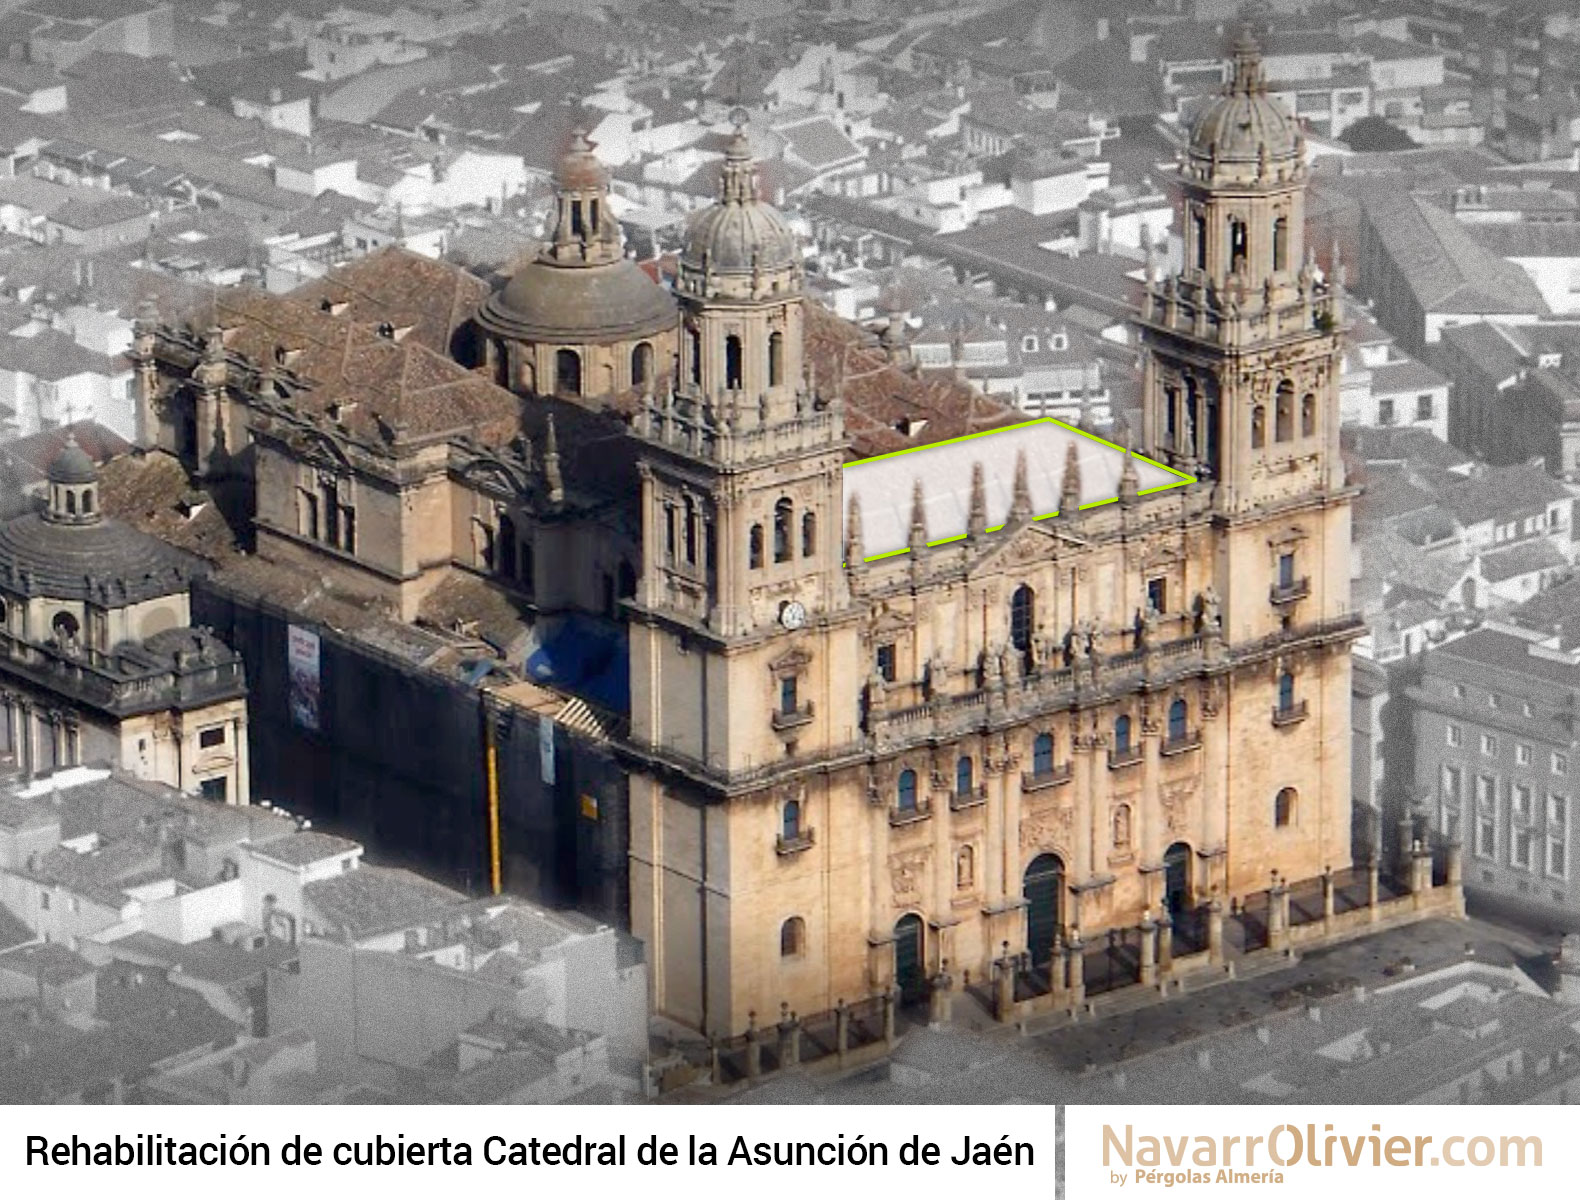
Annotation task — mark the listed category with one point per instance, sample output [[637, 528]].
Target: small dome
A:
[[544, 302], [72, 466], [740, 232], [1245, 125], [579, 167]]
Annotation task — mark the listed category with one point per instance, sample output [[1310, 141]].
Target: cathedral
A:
[[851, 767]]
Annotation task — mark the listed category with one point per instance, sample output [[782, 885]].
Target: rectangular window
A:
[[1522, 754], [43, 901], [1286, 570], [787, 694], [1520, 801], [1453, 735], [1560, 764], [1459, 691], [1557, 810], [1520, 849], [1158, 595], [886, 662], [1385, 412], [1485, 838], [1423, 407], [1486, 791], [215, 789], [1557, 858], [209, 738], [1489, 744], [1451, 784]]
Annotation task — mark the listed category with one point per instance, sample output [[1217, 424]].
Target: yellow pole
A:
[[492, 763]]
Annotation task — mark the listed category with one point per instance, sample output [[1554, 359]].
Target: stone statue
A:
[[1211, 616], [1149, 625]]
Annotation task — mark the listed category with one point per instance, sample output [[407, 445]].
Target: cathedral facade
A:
[[848, 773]]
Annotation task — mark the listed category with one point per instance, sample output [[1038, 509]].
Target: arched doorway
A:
[[1043, 889], [1176, 878], [910, 967]]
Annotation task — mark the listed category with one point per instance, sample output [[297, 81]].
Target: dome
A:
[[740, 233], [1244, 124], [72, 466], [545, 302], [579, 168], [40, 557]]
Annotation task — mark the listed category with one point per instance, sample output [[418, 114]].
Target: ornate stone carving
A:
[[1176, 799], [905, 876], [1047, 830]]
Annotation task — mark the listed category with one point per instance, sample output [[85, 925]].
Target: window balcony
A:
[[909, 816], [1035, 781], [794, 845], [1189, 740], [792, 718], [970, 798], [1127, 756], [1282, 593], [1291, 714]]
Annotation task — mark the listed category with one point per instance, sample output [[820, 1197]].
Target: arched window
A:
[[1258, 427], [1281, 244], [808, 534], [694, 353], [568, 373], [87, 500], [776, 359], [642, 364], [1171, 415], [71, 502], [1308, 416], [1284, 807], [792, 820], [965, 775], [1178, 715], [905, 794], [754, 553], [507, 546], [965, 867], [732, 362], [1122, 734], [792, 938], [1284, 413], [691, 531], [66, 627], [1022, 614], [1042, 754], [1286, 691], [1122, 827], [1239, 246], [782, 517], [1199, 238]]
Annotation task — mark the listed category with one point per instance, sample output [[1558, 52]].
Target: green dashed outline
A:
[[1181, 477]]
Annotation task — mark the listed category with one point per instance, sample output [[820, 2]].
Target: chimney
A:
[[1264, 1035], [1204, 1059], [1314, 1011], [276, 95]]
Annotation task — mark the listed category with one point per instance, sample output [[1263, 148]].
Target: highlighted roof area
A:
[[886, 487]]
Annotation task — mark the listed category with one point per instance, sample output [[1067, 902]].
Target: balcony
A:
[[794, 718], [1288, 593], [1127, 756], [1035, 781], [909, 816], [1189, 740], [1290, 714], [971, 798], [794, 845]]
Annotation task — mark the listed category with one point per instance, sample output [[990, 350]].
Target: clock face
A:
[[793, 614]]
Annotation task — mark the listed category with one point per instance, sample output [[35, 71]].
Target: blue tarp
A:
[[587, 658]]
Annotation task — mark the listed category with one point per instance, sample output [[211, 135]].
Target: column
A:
[[1456, 876], [754, 1047], [1165, 945], [1327, 900], [1215, 932], [1149, 950], [880, 952], [1076, 967]]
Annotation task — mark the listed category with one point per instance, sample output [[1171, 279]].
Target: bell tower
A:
[[741, 480], [1242, 345]]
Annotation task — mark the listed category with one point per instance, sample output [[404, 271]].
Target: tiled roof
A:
[[1502, 492], [432, 299], [1408, 376], [306, 847], [1443, 264], [372, 899], [1522, 558]]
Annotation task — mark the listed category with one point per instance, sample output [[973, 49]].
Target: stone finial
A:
[[1070, 485], [1129, 481], [1020, 502], [854, 551], [551, 463], [976, 522], [918, 538]]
